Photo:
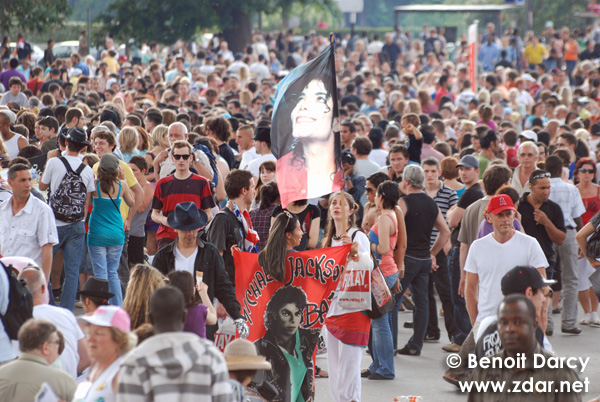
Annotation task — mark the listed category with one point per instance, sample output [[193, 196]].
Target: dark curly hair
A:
[[283, 296]]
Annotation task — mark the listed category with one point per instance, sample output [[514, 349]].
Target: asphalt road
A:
[[422, 375]]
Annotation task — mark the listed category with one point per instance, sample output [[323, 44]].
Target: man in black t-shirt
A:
[[421, 215]]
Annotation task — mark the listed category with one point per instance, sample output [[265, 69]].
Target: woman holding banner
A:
[[347, 330]]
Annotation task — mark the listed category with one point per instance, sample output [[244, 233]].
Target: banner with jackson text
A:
[[303, 139], [302, 302]]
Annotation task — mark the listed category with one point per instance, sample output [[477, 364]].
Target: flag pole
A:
[[336, 109]]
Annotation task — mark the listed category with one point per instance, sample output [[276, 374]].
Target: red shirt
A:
[[171, 191], [34, 86]]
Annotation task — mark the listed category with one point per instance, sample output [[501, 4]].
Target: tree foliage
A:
[[36, 15], [168, 21]]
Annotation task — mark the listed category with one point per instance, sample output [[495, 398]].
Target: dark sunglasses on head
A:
[[587, 171], [185, 157]]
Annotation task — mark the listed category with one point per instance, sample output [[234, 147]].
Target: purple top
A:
[[6, 75], [486, 228], [195, 321]]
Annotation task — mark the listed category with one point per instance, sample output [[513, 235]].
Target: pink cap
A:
[[110, 316]]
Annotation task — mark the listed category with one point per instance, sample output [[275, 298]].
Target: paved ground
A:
[[422, 375]]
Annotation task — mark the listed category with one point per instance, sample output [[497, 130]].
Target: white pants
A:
[[344, 369]]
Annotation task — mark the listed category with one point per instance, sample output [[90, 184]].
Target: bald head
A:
[[35, 280]]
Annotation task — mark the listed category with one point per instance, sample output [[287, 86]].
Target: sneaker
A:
[[452, 348], [572, 331], [556, 310], [407, 351], [431, 339], [79, 304], [379, 377], [587, 319], [408, 324]]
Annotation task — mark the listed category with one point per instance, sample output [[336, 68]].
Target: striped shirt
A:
[[174, 366], [445, 199], [171, 191]]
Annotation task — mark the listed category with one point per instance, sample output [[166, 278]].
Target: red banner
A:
[[314, 273]]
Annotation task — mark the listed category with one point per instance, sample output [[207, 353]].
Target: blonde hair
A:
[[128, 140], [144, 280], [158, 136], [126, 341], [246, 98]]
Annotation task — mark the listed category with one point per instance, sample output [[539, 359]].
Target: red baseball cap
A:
[[500, 203]]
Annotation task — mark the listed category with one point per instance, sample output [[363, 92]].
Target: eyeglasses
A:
[[184, 157], [587, 171], [541, 176]]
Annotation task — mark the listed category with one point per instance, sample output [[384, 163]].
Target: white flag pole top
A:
[[473, 50]]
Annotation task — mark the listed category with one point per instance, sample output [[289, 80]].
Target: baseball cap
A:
[[527, 77], [468, 161], [530, 135], [110, 316], [109, 163], [520, 278], [500, 203]]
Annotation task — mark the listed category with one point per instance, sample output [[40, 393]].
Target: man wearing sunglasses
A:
[[181, 186], [543, 219]]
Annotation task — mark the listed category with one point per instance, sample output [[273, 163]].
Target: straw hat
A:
[[241, 355]]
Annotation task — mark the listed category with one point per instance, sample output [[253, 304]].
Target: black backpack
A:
[[68, 200], [20, 304]]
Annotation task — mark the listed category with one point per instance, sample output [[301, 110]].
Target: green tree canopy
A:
[[36, 15]]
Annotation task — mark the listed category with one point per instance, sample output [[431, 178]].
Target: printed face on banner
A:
[[304, 131], [312, 116]]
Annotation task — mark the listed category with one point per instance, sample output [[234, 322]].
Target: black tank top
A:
[[421, 213]]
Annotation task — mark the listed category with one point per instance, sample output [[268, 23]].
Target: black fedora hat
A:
[[187, 216], [96, 287], [78, 136], [263, 133]]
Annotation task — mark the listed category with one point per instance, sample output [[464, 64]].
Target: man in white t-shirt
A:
[[69, 209], [262, 144], [74, 359], [244, 138], [489, 259]]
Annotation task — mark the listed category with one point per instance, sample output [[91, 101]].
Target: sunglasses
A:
[[587, 171], [184, 157], [541, 176], [370, 190]]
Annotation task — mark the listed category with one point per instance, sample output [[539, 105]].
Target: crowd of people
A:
[[127, 182]]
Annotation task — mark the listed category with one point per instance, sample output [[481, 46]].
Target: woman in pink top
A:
[[383, 237], [486, 115]]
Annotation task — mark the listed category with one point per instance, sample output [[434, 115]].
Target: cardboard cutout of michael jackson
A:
[[302, 134]]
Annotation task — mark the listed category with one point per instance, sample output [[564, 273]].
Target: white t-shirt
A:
[[56, 171], [247, 157], [183, 263], [378, 156], [254, 166], [67, 324], [491, 260]]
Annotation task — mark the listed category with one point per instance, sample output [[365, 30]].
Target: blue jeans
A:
[[383, 347], [70, 239], [416, 274], [461, 316], [105, 261]]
